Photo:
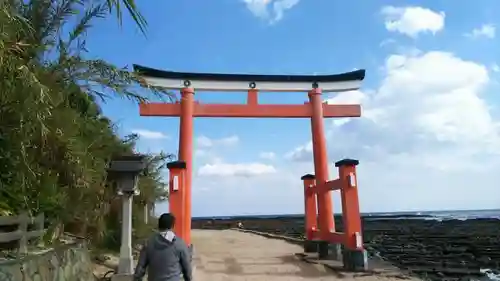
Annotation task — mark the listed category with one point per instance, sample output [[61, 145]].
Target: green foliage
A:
[[55, 144], [131, 9]]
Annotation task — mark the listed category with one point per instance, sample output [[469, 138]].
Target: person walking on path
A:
[[164, 256]]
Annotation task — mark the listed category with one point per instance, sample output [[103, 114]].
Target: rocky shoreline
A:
[[431, 249]]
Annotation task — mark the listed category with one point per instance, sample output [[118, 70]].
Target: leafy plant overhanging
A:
[[55, 144]]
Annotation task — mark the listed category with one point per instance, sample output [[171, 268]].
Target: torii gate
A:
[[317, 188]]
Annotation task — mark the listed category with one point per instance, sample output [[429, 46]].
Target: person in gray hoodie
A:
[[164, 256]]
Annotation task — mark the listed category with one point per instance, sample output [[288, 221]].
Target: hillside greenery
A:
[[55, 143]]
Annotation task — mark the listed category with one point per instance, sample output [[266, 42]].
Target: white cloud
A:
[[387, 42], [432, 98], [426, 137], [238, 195], [495, 67], [486, 31], [200, 153], [412, 21], [206, 142], [301, 153], [272, 10], [353, 97], [232, 140], [203, 141], [147, 134], [267, 155], [221, 169]]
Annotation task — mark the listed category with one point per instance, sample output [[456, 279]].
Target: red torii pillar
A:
[[186, 154], [310, 213], [177, 195], [328, 245], [181, 171], [354, 255], [324, 196]]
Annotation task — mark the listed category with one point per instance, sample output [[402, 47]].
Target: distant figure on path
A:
[[164, 255]]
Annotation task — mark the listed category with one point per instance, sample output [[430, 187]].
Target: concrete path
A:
[[236, 256]]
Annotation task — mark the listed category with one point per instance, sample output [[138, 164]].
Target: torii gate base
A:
[[348, 245]]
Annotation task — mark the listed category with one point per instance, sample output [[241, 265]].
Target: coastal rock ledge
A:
[[437, 250]]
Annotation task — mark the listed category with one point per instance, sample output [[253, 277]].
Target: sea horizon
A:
[[433, 214]]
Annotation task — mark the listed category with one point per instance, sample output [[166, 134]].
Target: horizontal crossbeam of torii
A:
[[187, 109], [250, 110], [252, 84]]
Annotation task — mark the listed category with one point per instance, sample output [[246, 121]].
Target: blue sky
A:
[[429, 136]]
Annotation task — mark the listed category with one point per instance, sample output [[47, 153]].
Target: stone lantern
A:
[[125, 170]]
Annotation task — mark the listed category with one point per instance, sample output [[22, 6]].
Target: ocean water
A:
[[427, 215], [439, 215]]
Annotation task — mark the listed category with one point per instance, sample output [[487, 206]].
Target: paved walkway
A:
[[236, 256]]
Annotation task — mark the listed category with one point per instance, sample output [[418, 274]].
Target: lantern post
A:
[[124, 170]]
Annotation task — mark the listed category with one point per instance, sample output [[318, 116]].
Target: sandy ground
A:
[[236, 256]]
